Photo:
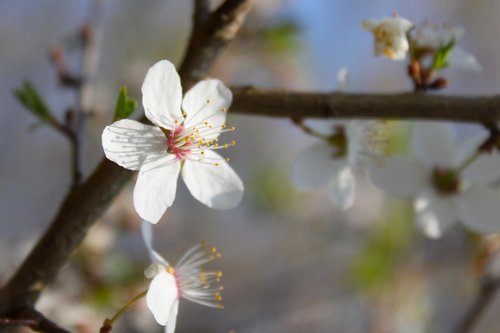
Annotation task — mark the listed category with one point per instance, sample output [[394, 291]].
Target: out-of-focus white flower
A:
[[184, 140], [441, 193], [184, 280], [331, 161], [342, 79], [390, 36], [436, 37]]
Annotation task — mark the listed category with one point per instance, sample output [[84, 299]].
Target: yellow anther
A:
[[218, 297], [184, 113], [176, 121], [216, 164], [216, 145], [223, 109], [223, 126], [233, 143], [227, 159], [219, 306], [218, 274], [221, 288], [208, 101], [213, 249], [226, 145], [205, 123], [170, 270], [202, 152], [232, 129]]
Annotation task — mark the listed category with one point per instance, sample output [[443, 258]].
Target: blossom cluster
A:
[[446, 181]]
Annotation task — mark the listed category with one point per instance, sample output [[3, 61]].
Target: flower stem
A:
[[468, 161], [125, 307]]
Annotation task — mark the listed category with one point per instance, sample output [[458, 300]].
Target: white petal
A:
[[155, 189], [218, 187], [172, 318], [479, 209], [162, 95], [205, 102], [343, 188], [434, 143], [315, 166], [147, 235], [486, 168], [434, 214], [128, 143], [402, 176], [461, 59], [162, 295]]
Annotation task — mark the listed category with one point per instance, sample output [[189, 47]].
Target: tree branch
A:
[[280, 103], [33, 319], [210, 38], [201, 13], [486, 294], [86, 203]]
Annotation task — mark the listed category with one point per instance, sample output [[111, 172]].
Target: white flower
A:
[[184, 140], [441, 193], [331, 161], [390, 36], [184, 280], [435, 37]]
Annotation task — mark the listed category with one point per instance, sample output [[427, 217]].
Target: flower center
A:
[[445, 181], [339, 140], [177, 143], [194, 135]]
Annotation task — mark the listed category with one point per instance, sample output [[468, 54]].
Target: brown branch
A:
[[210, 38], [486, 294], [296, 105], [34, 320], [202, 10], [86, 203]]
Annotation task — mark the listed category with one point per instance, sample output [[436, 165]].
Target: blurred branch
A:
[[297, 105], [202, 9], [86, 203], [487, 291], [33, 319]]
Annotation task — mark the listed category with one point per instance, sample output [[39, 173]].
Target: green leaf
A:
[[125, 105], [33, 102], [442, 55]]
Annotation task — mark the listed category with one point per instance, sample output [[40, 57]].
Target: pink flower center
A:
[[178, 144]]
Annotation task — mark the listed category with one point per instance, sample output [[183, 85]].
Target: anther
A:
[[208, 101], [223, 110]]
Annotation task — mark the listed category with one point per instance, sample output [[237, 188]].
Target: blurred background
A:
[[291, 262]]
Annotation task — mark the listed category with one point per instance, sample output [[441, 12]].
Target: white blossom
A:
[[442, 193], [331, 161], [183, 141], [390, 36], [184, 280]]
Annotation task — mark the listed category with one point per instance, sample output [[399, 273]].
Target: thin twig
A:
[[485, 296], [403, 106]]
